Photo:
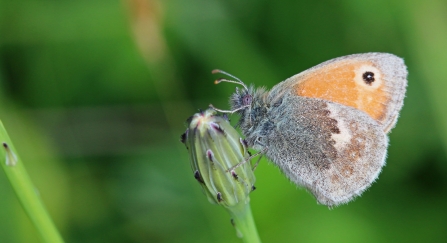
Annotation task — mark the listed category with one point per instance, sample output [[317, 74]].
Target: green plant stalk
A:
[[244, 223], [25, 190]]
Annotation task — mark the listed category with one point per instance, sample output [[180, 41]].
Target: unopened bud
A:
[[219, 159]]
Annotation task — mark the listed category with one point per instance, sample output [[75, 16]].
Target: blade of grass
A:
[[25, 190]]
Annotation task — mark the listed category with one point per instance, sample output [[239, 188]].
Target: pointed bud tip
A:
[[216, 127], [234, 175], [219, 197], [183, 136], [198, 176]]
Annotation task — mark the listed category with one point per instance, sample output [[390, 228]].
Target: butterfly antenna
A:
[[238, 81], [228, 111]]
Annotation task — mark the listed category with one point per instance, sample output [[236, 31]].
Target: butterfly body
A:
[[326, 127]]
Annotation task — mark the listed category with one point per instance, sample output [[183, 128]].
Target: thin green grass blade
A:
[[25, 190]]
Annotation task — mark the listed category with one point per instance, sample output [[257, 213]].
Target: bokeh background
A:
[[94, 95]]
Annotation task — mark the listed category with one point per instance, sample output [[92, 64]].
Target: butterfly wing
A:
[[333, 150], [372, 82], [331, 123]]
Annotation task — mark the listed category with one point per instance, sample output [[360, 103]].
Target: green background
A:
[[94, 95]]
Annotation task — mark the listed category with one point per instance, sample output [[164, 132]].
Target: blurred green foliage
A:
[[94, 95]]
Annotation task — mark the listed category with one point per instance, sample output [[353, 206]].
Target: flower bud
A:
[[218, 157]]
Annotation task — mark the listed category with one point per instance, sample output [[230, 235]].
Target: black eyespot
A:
[[246, 100], [368, 77]]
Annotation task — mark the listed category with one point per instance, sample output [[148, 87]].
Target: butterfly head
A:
[[242, 99], [248, 102]]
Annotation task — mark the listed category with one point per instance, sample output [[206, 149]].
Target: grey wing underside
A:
[[332, 150]]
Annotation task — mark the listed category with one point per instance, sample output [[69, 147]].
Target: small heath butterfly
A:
[[326, 128]]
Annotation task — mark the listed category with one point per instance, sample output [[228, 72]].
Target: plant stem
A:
[[244, 223], [25, 190]]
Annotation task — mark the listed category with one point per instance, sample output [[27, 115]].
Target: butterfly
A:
[[326, 128]]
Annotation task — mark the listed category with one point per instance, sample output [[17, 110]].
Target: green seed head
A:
[[215, 149]]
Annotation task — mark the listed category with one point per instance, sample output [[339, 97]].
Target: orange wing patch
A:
[[357, 84]]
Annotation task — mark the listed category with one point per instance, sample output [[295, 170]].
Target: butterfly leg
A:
[[257, 162], [248, 159]]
